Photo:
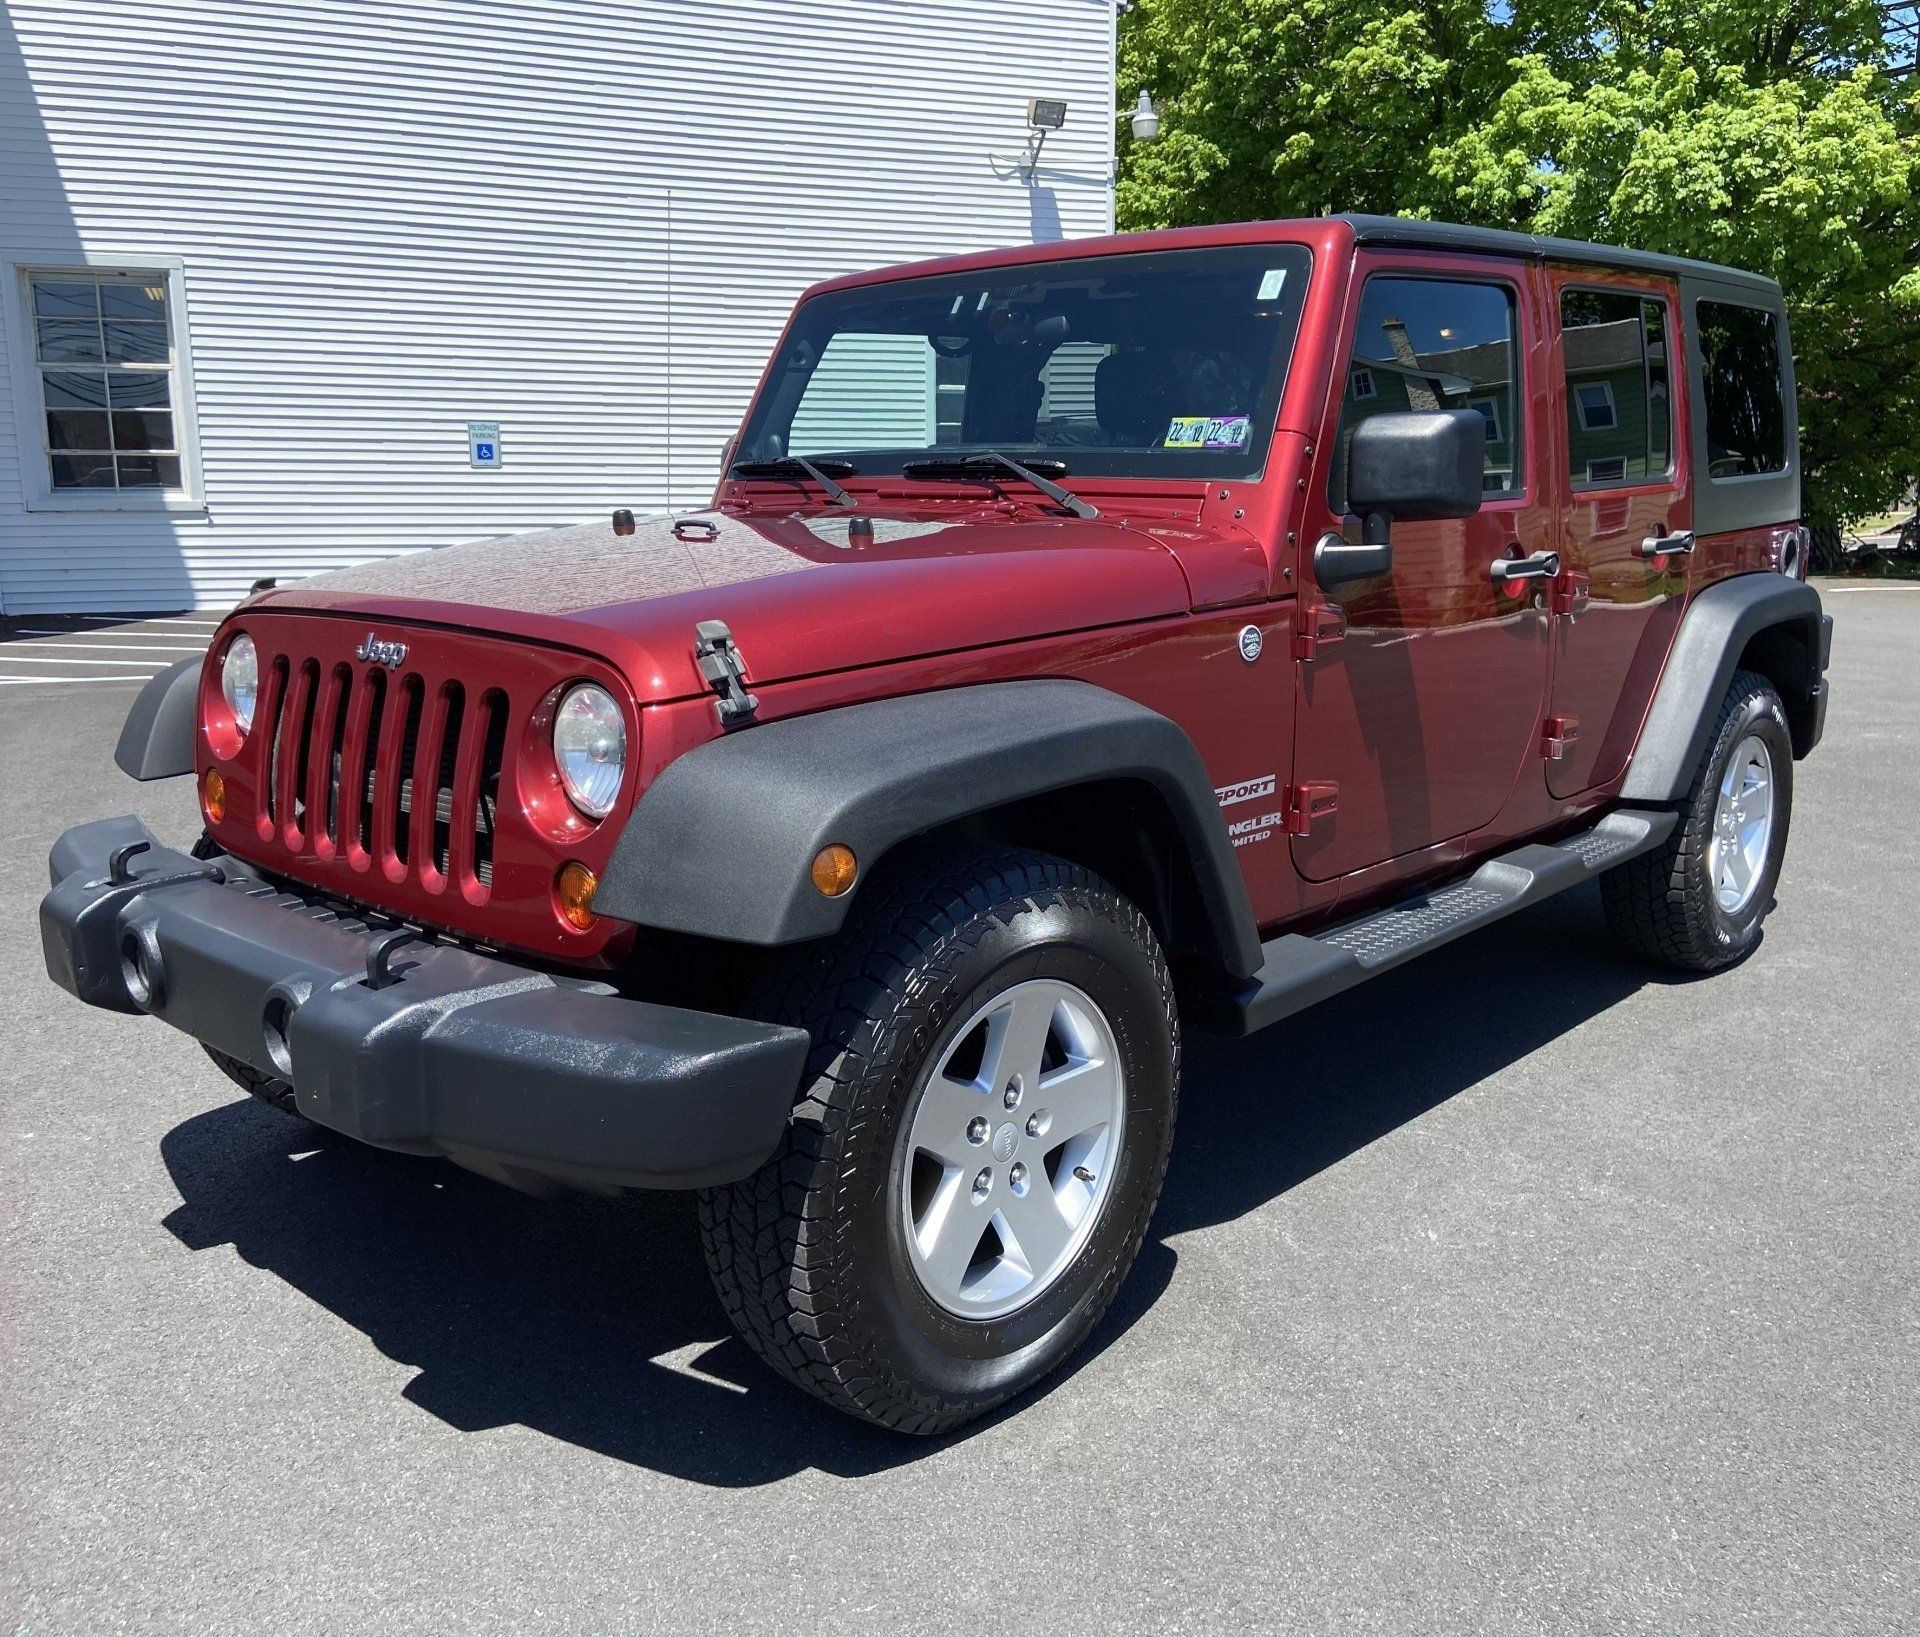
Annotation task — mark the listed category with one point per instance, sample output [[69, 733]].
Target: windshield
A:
[[1167, 364]]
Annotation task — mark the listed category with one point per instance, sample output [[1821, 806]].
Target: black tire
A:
[[268, 1088], [1662, 905], [809, 1255]]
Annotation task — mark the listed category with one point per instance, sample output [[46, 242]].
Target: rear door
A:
[[1427, 710], [1620, 416]]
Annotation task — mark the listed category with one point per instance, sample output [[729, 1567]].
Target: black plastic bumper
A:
[[511, 1071]]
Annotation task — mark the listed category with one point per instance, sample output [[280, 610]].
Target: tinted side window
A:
[[1740, 372], [1436, 344], [1613, 346]]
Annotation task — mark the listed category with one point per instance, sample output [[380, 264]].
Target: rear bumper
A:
[[511, 1071]]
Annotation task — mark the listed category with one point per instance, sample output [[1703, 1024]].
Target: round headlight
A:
[[240, 680], [590, 744]]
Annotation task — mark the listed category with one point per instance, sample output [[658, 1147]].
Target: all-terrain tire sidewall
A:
[[975, 1359], [810, 1256], [1753, 708]]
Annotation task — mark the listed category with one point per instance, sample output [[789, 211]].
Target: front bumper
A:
[[513, 1072]]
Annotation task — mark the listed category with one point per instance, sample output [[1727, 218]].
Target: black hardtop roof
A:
[[1492, 241]]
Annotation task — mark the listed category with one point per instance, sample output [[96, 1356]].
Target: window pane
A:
[[65, 340], [69, 389], [135, 341], [1653, 314], [149, 472], [1746, 409], [77, 429], [138, 389], [867, 392], [1619, 424], [82, 471], [142, 429], [53, 298], [130, 300], [1432, 344]]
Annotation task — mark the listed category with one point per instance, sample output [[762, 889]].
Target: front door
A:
[[1616, 374], [1427, 711]]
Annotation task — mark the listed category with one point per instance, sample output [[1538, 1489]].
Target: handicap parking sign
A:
[[483, 445]]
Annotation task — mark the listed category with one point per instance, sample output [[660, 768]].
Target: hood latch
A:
[[722, 664]]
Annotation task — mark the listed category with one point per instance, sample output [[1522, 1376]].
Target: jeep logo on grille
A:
[[390, 654]]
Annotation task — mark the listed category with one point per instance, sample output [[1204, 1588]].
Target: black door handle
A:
[[1542, 565]]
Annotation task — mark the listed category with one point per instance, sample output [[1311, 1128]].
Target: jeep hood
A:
[[802, 594]]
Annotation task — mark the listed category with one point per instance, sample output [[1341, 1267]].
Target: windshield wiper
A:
[[991, 460], [799, 465]]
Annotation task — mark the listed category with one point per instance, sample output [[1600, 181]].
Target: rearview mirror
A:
[[1417, 464]]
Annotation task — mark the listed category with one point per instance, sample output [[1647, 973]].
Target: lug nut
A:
[[1012, 1097], [983, 1183], [977, 1130], [1037, 1123], [1018, 1177]]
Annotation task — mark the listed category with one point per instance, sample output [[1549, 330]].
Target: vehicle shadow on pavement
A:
[[591, 1320]]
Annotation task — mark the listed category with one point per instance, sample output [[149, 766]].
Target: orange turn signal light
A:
[[834, 868], [574, 891], [213, 795]]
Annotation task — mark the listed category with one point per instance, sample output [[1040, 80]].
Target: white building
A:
[[262, 262]]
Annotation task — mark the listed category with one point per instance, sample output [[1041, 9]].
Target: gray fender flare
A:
[[156, 741], [1719, 625], [722, 842]]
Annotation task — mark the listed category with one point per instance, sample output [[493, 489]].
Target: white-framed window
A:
[[1362, 384], [1489, 409], [1607, 469], [102, 388], [1595, 402]]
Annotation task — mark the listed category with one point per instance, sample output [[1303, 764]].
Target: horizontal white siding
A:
[[582, 219]]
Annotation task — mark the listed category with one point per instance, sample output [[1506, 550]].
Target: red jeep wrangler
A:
[[1228, 614]]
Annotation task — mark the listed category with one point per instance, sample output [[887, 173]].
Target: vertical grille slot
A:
[[394, 770], [363, 763], [438, 830], [486, 811], [289, 747], [300, 717], [344, 698], [268, 724]]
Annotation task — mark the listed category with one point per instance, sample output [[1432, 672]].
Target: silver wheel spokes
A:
[[1742, 825], [1012, 1148]]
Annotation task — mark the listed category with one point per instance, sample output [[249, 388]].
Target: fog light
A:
[[834, 868], [213, 795], [574, 890]]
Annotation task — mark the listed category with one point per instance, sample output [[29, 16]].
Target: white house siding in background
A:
[[582, 219]]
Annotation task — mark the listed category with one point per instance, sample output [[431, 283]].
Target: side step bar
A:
[[1300, 969]]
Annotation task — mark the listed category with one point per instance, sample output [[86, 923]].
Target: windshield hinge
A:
[[721, 663]]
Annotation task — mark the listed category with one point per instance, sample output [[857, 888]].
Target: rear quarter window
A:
[[1741, 379]]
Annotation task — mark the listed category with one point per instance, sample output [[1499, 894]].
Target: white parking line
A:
[[67, 681], [114, 647], [28, 659], [209, 620]]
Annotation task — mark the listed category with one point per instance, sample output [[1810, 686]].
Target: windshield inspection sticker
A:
[[1270, 284], [1207, 432]]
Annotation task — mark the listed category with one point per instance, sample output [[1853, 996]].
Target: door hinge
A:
[[721, 663], [1571, 592], [1557, 736], [1317, 626], [1316, 799]]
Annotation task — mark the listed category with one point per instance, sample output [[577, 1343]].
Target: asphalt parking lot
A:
[[1524, 1290]]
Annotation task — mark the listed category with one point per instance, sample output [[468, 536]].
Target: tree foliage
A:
[[1764, 133]]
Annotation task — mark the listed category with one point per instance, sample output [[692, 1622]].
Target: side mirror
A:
[[1419, 464]]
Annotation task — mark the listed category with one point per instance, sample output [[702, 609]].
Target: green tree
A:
[[1764, 133]]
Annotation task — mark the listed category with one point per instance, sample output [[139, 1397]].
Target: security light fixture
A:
[[1143, 119], [1044, 114]]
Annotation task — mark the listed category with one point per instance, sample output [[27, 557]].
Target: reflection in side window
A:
[[1613, 346], [1436, 344], [1740, 371], [868, 389]]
